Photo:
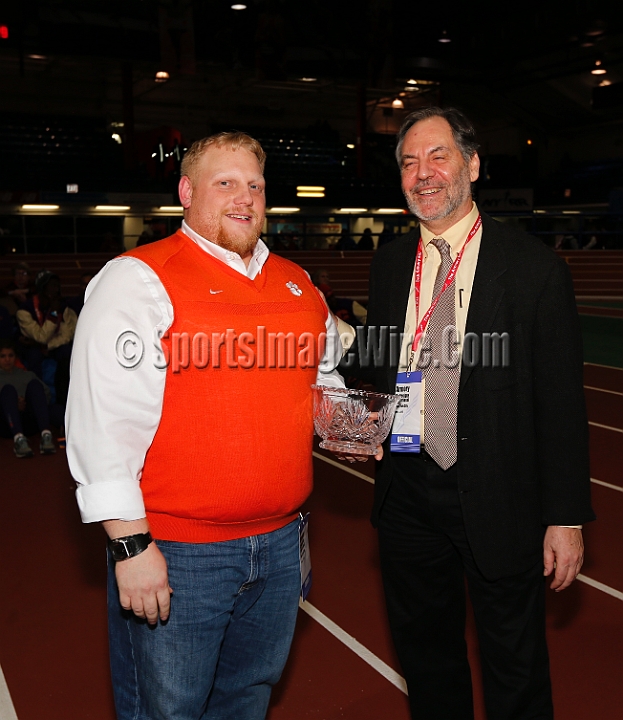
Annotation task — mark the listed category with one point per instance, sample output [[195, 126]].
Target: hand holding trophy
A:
[[352, 423]]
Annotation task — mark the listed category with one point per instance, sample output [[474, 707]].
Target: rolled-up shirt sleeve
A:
[[116, 390]]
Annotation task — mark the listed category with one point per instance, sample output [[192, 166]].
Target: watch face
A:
[[124, 548], [118, 550]]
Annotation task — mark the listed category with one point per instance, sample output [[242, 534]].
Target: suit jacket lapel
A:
[[400, 281], [398, 286], [487, 290]]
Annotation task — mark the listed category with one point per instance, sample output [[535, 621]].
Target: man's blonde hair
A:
[[232, 140]]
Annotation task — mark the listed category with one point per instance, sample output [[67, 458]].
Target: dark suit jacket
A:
[[522, 429]]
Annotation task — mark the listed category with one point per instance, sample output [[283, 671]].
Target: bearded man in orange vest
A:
[[190, 436]]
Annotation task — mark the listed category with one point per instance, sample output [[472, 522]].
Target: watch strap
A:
[[129, 546]]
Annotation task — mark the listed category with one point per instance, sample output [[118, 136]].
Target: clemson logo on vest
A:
[[294, 288]]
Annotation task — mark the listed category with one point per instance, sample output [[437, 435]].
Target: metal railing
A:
[[560, 230]]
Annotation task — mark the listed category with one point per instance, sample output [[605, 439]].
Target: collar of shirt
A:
[[230, 258], [455, 236]]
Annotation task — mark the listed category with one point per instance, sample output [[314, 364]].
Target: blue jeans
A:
[[233, 612], [34, 419]]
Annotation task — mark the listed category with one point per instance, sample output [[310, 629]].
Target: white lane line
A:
[[7, 710], [342, 467], [597, 482], [600, 586], [366, 655], [608, 485], [610, 367], [605, 427], [612, 392]]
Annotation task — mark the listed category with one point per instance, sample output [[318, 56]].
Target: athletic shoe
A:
[[47, 446], [21, 448]]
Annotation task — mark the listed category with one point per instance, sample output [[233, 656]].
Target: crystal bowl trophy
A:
[[353, 422]]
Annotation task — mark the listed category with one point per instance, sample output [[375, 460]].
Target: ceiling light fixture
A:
[[411, 81], [162, 76], [398, 104], [112, 207], [38, 57], [283, 210], [350, 146], [605, 82], [598, 28], [308, 79], [171, 208], [238, 6], [390, 211], [310, 188], [310, 194], [353, 210], [444, 38], [40, 207], [598, 69]]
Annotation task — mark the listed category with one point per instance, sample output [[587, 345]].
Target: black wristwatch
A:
[[129, 546]]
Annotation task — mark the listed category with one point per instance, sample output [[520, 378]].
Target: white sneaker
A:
[[21, 448], [47, 446]]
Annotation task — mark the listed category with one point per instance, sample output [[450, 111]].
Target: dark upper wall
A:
[[520, 78]]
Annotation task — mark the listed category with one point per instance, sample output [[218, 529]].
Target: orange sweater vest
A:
[[232, 453]]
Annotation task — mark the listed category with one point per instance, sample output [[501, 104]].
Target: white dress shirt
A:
[[455, 237], [117, 379]]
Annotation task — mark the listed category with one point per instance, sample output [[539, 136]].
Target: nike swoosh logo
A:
[[215, 292]]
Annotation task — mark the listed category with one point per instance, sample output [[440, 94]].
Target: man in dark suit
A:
[[501, 488]]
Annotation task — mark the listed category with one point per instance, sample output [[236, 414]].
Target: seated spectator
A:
[[18, 290], [47, 328], [386, 235], [345, 241], [597, 238], [146, 237], [24, 405], [7, 323], [366, 241], [285, 241], [566, 242], [111, 244], [346, 309], [77, 302], [320, 277]]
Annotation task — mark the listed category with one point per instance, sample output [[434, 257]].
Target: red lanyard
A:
[[447, 282], [40, 319], [35, 302]]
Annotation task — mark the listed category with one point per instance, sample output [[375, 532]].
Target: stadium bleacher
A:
[[596, 274]]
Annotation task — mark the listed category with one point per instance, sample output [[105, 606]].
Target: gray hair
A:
[[462, 130]]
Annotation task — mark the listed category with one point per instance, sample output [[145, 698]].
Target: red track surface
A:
[[53, 648]]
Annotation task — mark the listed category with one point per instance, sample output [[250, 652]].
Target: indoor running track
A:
[[52, 607]]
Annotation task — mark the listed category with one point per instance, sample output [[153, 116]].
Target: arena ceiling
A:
[[289, 64]]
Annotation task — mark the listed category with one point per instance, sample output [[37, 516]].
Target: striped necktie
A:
[[441, 390]]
